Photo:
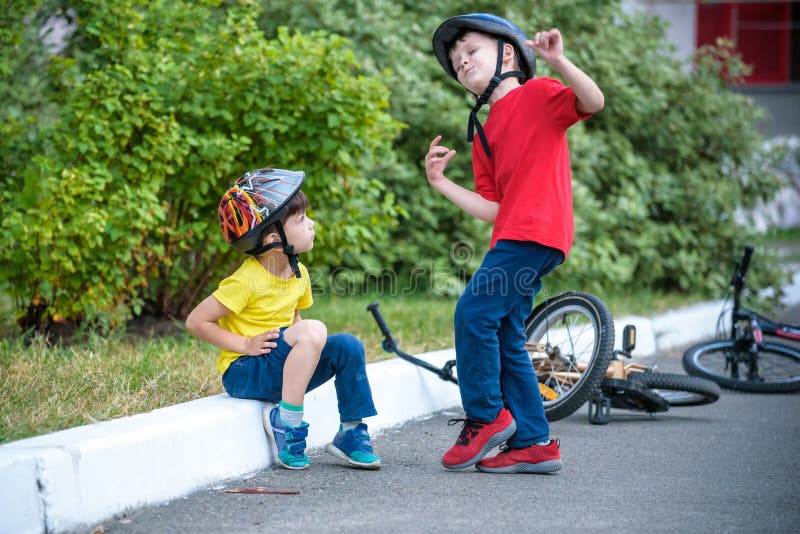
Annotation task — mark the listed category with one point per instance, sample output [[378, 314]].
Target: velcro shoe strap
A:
[[297, 434], [361, 439], [296, 447]]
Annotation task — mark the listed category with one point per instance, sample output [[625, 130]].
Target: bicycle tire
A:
[[577, 330], [779, 366], [680, 390]]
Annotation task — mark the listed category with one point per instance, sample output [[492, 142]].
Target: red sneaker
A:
[[530, 459], [476, 439]]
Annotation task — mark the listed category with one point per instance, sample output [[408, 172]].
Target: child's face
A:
[[474, 58], [299, 232]]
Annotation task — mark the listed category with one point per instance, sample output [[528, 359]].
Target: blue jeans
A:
[[261, 377], [494, 369]]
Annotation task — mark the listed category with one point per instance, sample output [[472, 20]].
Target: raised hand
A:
[[548, 45], [436, 160]]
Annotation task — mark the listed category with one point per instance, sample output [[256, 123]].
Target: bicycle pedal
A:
[[599, 410]]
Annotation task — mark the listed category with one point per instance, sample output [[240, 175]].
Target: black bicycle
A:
[[570, 340], [741, 358]]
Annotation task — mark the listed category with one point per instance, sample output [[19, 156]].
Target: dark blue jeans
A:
[[494, 369], [261, 377]]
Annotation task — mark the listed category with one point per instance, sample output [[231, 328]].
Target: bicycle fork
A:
[[751, 337]]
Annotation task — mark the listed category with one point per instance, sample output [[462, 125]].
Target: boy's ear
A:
[[508, 52], [271, 237]]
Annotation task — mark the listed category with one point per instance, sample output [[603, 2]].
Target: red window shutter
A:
[[760, 31], [763, 40], [713, 20]]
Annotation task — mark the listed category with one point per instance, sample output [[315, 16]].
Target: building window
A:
[[766, 34]]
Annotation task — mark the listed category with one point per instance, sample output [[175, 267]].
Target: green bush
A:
[[658, 174], [115, 153], [162, 105]]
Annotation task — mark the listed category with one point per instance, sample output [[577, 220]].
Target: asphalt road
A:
[[727, 467]]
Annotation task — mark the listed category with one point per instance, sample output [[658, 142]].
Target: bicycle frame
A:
[[749, 327], [748, 324]]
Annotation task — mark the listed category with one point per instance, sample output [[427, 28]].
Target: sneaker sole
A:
[[493, 442], [332, 449], [273, 450], [549, 466]]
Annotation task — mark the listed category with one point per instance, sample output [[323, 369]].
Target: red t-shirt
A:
[[529, 173]]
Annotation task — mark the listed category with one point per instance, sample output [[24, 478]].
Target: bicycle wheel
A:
[[570, 341], [727, 363], [679, 390]]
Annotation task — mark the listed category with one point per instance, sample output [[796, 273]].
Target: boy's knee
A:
[[311, 332], [346, 346], [318, 332], [347, 343], [464, 312]]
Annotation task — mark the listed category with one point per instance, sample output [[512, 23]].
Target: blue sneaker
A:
[[353, 447], [289, 441]]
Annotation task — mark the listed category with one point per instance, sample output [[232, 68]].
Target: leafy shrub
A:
[[162, 106], [114, 154], [658, 174]]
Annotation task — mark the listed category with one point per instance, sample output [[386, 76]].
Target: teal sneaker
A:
[[289, 441], [354, 448]]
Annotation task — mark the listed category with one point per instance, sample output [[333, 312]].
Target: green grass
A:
[[44, 388], [791, 235], [788, 241]]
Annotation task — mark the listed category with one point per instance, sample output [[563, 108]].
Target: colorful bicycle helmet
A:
[[449, 30], [258, 200]]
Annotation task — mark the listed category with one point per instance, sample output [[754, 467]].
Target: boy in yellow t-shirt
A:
[[269, 352]]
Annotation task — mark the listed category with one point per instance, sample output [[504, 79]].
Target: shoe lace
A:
[[468, 431]]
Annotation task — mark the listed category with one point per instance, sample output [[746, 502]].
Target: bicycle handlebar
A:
[[748, 252], [739, 275], [390, 345], [389, 342]]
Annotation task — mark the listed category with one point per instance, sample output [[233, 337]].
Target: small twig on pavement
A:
[[262, 491]]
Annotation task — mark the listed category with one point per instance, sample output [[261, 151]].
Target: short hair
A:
[[298, 204], [461, 33]]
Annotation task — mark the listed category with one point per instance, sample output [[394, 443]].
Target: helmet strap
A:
[[499, 76], [287, 249]]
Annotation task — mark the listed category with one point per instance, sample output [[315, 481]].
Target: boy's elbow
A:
[[591, 106], [192, 324], [601, 102]]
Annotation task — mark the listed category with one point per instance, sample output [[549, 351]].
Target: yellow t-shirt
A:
[[259, 301]]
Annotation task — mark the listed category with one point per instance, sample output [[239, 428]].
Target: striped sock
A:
[[291, 414]]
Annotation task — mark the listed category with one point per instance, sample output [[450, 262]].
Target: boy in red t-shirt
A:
[[523, 186]]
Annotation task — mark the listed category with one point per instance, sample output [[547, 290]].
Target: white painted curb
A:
[[76, 478]]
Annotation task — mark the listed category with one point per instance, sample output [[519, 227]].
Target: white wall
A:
[[681, 16]]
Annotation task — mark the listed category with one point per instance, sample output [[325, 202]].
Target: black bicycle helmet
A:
[[258, 200], [452, 28]]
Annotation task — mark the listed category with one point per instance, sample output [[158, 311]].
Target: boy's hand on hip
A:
[[262, 343], [436, 160], [548, 45]]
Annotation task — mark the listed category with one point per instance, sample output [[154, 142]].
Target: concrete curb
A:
[[61, 482]]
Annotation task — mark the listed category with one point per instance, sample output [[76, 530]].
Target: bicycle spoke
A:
[[565, 346]]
